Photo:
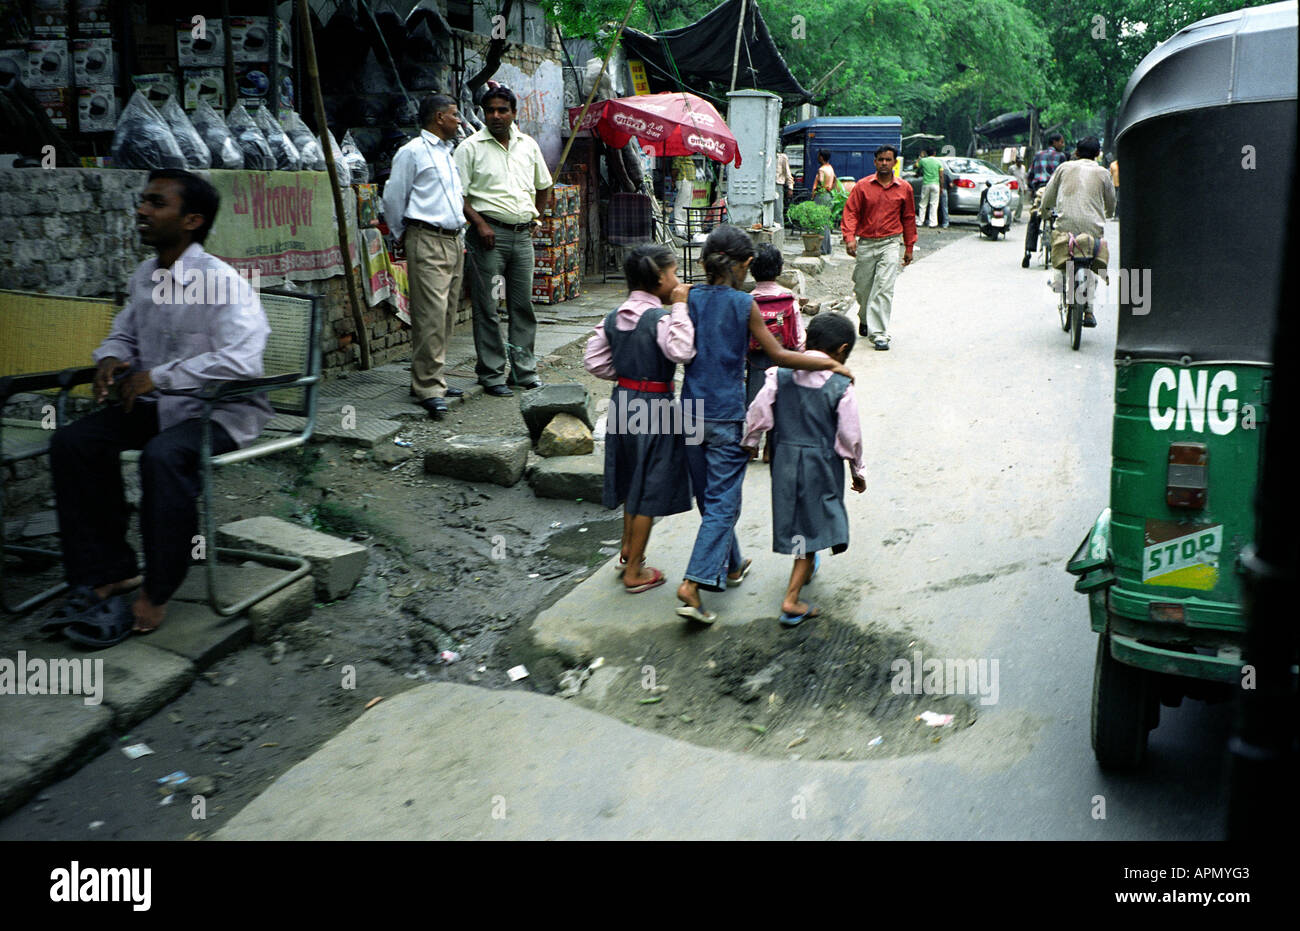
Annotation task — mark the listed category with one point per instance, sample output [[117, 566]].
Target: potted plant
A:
[[814, 219]]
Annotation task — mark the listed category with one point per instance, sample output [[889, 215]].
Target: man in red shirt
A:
[[878, 217]]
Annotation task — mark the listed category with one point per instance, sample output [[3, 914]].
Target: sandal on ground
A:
[[81, 598], [744, 571], [108, 623], [659, 579], [792, 620], [695, 612]]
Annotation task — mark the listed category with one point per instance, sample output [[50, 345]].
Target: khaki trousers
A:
[[874, 274], [435, 268]]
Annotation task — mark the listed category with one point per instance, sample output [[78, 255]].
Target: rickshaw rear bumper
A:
[[1206, 646]]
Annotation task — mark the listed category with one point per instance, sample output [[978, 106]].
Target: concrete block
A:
[[336, 564], [809, 265], [540, 405], [42, 736], [139, 679], [366, 431], [565, 435], [287, 606], [569, 477], [793, 279], [474, 458], [199, 634]]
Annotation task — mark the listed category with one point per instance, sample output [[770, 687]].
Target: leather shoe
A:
[[530, 385], [455, 393], [863, 330], [498, 391], [436, 407], [1024, 263], [882, 345]]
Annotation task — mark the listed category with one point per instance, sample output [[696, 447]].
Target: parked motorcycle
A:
[[995, 210]]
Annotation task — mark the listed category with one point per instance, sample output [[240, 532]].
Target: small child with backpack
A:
[[815, 416], [780, 310]]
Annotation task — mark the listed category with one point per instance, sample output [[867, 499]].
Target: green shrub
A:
[[810, 216]]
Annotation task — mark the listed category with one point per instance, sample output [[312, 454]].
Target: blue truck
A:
[[851, 140]]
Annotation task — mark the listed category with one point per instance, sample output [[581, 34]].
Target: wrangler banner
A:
[[280, 223]]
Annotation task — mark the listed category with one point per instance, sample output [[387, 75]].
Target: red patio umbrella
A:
[[664, 124]]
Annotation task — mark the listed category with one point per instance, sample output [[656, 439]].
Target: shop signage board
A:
[[280, 223]]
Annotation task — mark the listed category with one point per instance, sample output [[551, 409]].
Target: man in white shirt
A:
[[189, 320], [1083, 195], [424, 205], [507, 186]]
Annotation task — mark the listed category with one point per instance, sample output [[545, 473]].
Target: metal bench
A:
[[292, 365]]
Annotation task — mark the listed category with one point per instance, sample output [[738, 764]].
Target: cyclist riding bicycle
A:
[[1040, 172], [1083, 195]]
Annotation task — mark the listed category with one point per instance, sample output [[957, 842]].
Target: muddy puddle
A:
[[821, 691]]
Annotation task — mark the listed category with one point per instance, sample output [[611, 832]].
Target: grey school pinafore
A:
[[645, 464], [807, 474]]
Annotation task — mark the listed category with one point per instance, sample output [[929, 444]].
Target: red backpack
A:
[[781, 315]]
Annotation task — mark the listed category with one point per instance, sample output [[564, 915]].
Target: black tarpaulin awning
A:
[[1008, 124], [704, 50]]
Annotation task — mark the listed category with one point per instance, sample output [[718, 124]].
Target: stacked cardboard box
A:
[[555, 249]]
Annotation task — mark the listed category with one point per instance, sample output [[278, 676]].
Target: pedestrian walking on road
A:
[[879, 218], [1114, 179], [638, 347], [507, 187], [814, 417], [931, 185], [713, 401], [780, 313], [425, 208]]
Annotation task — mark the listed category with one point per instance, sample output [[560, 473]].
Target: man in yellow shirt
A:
[[507, 186]]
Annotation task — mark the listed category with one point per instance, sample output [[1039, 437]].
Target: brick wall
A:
[[68, 230]]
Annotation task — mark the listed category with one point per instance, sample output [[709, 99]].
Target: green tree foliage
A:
[[945, 66]]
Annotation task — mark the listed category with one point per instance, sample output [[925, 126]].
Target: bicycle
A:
[[1077, 283]]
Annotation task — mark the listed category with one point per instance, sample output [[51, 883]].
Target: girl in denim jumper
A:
[[713, 399]]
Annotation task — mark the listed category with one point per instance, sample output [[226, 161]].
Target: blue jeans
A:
[[717, 467]]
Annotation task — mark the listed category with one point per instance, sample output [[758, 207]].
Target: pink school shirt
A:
[[772, 289], [675, 337], [848, 433]]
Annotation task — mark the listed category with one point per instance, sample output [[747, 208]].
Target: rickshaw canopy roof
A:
[[1207, 146], [1240, 57]]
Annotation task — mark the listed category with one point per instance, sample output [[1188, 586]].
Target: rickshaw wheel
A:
[[1121, 713]]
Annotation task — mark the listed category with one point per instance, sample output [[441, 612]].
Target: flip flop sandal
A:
[[658, 580], [697, 613], [108, 623], [793, 620], [744, 571], [81, 599]]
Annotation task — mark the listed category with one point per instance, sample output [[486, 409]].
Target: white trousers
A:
[[874, 274]]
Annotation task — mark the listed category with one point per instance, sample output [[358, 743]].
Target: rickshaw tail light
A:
[[1186, 484], [1165, 611]]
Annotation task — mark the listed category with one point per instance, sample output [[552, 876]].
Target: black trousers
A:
[[1031, 234], [93, 513]]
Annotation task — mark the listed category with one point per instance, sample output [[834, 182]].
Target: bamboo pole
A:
[[740, 29], [313, 77], [605, 64]]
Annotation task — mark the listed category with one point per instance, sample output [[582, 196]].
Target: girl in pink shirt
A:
[[638, 346]]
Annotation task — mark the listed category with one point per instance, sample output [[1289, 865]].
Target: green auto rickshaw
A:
[[1207, 133]]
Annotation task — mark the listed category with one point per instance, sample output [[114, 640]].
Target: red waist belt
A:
[[632, 384]]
